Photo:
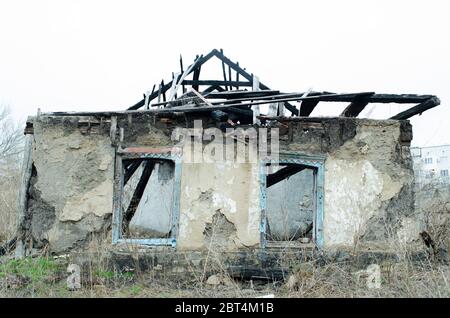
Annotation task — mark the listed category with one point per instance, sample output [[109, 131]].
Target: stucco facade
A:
[[367, 194]]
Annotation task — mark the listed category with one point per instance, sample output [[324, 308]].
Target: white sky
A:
[[103, 55]]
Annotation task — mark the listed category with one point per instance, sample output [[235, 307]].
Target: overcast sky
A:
[[103, 55]]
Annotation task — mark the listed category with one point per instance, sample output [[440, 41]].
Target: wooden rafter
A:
[[139, 191], [418, 109], [356, 106], [282, 174]]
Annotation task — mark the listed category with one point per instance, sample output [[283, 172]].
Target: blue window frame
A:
[[316, 163], [118, 192]]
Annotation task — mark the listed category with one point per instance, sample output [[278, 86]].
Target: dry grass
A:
[[402, 280], [46, 277]]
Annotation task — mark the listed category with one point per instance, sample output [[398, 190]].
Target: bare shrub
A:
[[11, 147], [433, 203]]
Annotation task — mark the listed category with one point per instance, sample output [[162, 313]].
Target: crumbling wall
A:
[[222, 198], [368, 178], [368, 181], [71, 188]]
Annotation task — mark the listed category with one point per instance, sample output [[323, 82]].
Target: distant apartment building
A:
[[431, 164]]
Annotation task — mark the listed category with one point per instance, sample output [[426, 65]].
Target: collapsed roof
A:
[[241, 93], [236, 98]]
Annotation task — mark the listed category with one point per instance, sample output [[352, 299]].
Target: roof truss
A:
[[231, 93]]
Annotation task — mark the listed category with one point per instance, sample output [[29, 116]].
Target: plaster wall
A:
[[368, 183]]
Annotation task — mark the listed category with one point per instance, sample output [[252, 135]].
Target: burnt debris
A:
[[243, 97], [236, 99]]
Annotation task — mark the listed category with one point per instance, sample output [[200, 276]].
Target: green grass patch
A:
[[36, 269]]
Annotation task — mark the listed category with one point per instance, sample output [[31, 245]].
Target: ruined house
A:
[[324, 183]]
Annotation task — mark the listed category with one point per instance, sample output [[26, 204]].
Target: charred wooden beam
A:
[[249, 77], [418, 109], [131, 169], [199, 61], [258, 101], [307, 107], [164, 92], [356, 106], [216, 82], [267, 97], [223, 71], [242, 94], [233, 65], [237, 76], [196, 77], [138, 192], [400, 98], [212, 88], [159, 92], [241, 111], [229, 76], [282, 174], [181, 72]]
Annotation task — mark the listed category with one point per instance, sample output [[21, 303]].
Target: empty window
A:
[[293, 204], [428, 160], [444, 173], [146, 207]]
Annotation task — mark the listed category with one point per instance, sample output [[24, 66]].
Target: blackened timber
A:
[[399, 98], [283, 98], [181, 72], [159, 92], [237, 76], [245, 112], [137, 195], [164, 92], [356, 106], [212, 88], [216, 82], [196, 77], [249, 77], [173, 79], [242, 94], [223, 70], [233, 65], [418, 109], [282, 174], [229, 75], [307, 107], [269, 97], [200, 61], [131, 169], [139, 104]]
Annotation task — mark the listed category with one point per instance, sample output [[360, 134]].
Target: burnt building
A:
[[228, 163]]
